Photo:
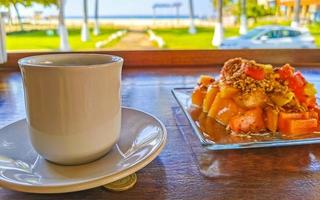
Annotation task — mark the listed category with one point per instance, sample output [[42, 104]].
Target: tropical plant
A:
[[253, 9], [46, 3], [224, 2], [62, 30], [15, 3]]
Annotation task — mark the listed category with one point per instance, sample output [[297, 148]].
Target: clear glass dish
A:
[[215, 137]]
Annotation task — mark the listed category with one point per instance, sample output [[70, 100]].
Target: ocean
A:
[[135, 17]]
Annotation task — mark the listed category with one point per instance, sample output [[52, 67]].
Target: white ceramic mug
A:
[[73, 105]]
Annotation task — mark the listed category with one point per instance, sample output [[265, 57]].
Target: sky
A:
[[123, 7]]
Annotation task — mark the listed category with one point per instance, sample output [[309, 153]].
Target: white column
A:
[[218, 29], [63, 32], [296, 14], [85, 29], [64, 41], [243, 18], [192, 28], [218, 34], [3, 52], [96, 30]]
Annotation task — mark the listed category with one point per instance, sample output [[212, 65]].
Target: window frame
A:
[[193, 58]]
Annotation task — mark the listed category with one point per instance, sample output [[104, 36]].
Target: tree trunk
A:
[[218, 30], [192, 28], [19, 17], [85, 29], [296, 14], [63, 32], [178, 13], [9, 15], [243, 18], [96, 17]]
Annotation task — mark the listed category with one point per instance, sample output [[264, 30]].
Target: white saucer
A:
[[142, 138]]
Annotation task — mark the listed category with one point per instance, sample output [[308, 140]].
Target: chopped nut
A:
[[233, 73]]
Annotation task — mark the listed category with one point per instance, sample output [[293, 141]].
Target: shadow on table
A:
[[151, 183]]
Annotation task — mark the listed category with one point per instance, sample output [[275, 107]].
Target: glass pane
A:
[[76, 25], [287, 33], [218, 139]]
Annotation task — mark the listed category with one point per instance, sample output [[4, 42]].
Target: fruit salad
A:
[[257, 98]]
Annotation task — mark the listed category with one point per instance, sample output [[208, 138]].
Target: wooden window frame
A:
[[193, 58]]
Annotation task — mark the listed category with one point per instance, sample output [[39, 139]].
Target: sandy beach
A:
[[132, 22]]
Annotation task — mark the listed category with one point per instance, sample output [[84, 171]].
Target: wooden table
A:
[[269, 173]]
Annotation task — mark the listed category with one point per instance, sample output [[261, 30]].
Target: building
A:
[[303, 2], [310, 8]]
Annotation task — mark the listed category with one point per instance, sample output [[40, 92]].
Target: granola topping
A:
[[233, 74]]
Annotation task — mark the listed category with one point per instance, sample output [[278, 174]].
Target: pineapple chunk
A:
[[214, 109], [228, 91], [208, 100]]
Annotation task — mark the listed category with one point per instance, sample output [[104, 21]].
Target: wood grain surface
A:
[[179, 172], [195, 58]]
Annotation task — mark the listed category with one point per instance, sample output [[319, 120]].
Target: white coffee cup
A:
[[73, 105]]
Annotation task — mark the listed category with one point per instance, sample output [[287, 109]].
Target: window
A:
[[252, 34], [97, 25], [286, 33], [273, 34], [294, 33]]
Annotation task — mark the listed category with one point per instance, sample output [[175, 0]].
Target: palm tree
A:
[[96, 30], [296, 17], [85, 29], [218, 30], [243, 18], [192, 28], [14, 3], [63, 32], [9, 15], [177, 5], [15, 6]]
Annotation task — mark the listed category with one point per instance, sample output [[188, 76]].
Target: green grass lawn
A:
[[315, 31], [179, 38], [39, 40]]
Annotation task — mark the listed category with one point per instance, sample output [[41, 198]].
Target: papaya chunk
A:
[[249, 122], [197, 96]]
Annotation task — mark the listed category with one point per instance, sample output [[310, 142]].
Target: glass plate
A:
[[215, 137]]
